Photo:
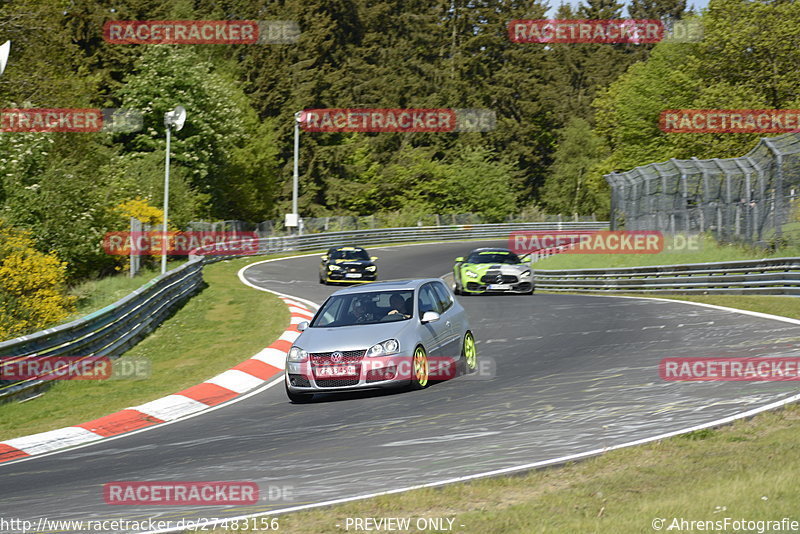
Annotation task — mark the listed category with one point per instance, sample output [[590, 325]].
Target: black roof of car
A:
[[490, 249], [348, 247]]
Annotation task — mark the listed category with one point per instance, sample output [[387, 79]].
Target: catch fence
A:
[[752, 198]]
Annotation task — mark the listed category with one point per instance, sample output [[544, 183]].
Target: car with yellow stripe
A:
[[347, 264]]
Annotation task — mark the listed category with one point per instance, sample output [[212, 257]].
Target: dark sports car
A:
[[347, 264]]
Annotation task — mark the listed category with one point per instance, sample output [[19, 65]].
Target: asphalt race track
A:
[[571, 374]]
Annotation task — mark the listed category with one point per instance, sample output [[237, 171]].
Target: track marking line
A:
[[507, 470], [228, 387]]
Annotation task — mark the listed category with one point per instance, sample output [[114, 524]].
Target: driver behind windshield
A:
[[398, 304], [360, 313], [494, 257]]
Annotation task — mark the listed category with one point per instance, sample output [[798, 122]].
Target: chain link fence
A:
[[752, 198]]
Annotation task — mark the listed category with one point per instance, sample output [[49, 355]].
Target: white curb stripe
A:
[[273, 357], [293, 303], [53, 439], [171, 407], [305, 312], [289, 336], [236, 380]]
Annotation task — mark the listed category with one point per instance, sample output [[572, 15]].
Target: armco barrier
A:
[[414, 234], [775, 276], [108, 332], [114, 329]]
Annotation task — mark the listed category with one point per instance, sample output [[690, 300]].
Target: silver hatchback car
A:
[[383, 334]]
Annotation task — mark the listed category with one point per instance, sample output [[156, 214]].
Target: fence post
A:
[[747, 227], [777, 189], [135, 260]]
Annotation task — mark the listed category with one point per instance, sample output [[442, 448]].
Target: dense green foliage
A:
[[566, 113], [747, 60]]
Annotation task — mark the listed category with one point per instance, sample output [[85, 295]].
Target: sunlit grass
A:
[[220, 327], [708, 250], [747, 470]]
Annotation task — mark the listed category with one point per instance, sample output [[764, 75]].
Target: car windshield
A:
[[365, 308], [350, 254], [493, 256]]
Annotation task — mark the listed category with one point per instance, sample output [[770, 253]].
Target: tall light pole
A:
[[299, 117], [175, 118]]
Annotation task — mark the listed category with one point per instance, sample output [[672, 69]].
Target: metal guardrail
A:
[[114, 329], [313, 225], [776, 276], [108, 332], [414, 234]]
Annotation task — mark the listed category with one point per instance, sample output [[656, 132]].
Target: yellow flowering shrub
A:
[[140, 209], [32, 286]]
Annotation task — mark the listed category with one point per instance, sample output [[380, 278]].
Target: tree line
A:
[[565, 113]]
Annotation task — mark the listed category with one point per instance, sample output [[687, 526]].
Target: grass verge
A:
[[746, 470], [220, 327], [96, 294], [775, 305], [707, 251]]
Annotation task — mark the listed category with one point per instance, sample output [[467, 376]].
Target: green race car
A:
[[492, 270]]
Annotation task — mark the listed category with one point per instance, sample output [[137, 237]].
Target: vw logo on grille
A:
[[336, 356]]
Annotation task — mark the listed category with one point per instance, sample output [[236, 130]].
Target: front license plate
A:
[[498, 287], [341, 370], [352, 275]]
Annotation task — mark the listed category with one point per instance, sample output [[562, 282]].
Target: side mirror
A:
[[430, 317], [373, 258], [302, 326], [460, 258], [324, 258], [525, 257]]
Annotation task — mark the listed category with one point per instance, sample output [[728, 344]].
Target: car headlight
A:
[[334, 268], [296, 354], [384, 348], [471, 274], [371, 268], [525, 274]]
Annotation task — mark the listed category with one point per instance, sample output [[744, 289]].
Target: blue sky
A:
[[697, 4]]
